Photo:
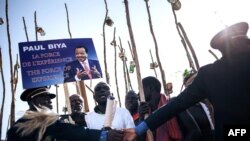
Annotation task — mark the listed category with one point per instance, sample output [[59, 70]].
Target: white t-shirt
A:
[[122, 119]]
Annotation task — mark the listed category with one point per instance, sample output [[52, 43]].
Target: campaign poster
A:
[[51, 62]]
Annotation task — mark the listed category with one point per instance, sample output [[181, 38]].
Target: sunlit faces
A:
[[102, 91], [81, 54], [76, 103], [131, 101]]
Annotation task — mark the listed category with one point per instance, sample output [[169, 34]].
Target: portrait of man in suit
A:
[[82, 68]]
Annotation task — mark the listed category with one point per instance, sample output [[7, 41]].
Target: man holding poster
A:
[[82, 68]]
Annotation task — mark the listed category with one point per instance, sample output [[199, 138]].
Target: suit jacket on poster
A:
[[225, 83], [70, 70]]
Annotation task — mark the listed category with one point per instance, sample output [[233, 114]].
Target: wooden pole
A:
[[156, 50], [124, 59], [8, 126], [134, 51], [4, 93], [57, 105], [25, 29], [104, 45], [80, 87], [210, 51], [125, 69], [65, 86], [66, 93], [131, 52], [137, 65], [12, 111], [191, 63], [68, 20], [116, 78], [152, 59], [35, 26], [90, 91], [15, 77], [84, 96], [190, 46]]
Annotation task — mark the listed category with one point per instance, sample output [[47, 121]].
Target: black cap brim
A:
[[33, 92]]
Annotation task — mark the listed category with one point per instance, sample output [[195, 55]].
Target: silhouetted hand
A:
[[79, 118], [129, 134], [143, 109], [115, 135], [106, 128]]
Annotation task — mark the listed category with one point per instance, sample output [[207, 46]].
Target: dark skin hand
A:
[[115, 135], [143, 109], [79, 118]]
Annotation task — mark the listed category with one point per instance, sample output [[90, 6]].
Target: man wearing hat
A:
[[38, 98], [225, 83], [39, 123]]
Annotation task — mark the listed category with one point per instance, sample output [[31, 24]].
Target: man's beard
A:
[[102, 103]]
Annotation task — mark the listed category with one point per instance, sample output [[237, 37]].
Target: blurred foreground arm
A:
[[131, 133], [111, 135]]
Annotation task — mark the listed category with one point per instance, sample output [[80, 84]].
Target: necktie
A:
[[86, 68]]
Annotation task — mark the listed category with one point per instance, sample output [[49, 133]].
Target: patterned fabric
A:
[[37, 126], [170, 130]]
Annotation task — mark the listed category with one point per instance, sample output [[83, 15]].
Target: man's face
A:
[[81, 54], [131, 102], [102, 91], [43, 100], [76, 103]]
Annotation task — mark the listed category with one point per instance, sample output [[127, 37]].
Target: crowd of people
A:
[[216, 96]]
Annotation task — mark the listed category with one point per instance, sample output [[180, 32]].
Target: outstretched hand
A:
[[115, 135], [143, 109], [129, 134], [79, 118], [95, 72], [80, 73]]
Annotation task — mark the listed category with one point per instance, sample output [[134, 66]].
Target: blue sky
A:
[[200, 18]]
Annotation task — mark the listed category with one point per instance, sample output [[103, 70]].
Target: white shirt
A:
[[122, 119]]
